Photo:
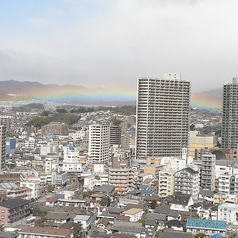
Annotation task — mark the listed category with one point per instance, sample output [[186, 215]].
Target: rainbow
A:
[[206, 102]]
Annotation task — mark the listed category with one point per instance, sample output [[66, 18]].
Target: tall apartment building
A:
[[3, 134], [115, 135], [207, 181], [163, 107], [99, 143], [186, 181], [229, 131]]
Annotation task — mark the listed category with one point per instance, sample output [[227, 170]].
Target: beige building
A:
[[166, 183], [219, 198], [153, 169], [197, 142], [122, 179]]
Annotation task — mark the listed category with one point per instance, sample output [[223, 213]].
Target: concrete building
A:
[[115, 135], [228, 212], [3, 134], [208, 172], [10, 145], [163, 107], [34, 186], [198, 142], [99, 143], [55, 128], [122, 179], [229, 130], [165, 183], [186, 181], [14, 210]]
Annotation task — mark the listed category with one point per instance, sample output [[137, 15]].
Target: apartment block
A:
[[163, 107], [99, 143], [165, 183], [186, 181], [208, 172]]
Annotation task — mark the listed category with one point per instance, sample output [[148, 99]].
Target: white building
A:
[[228, 212], [163, 107], [176, 163], [99, 143], [34, 186], [208, 172], [85, 221], [186, 181]]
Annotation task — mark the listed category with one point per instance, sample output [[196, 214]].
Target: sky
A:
[[112, 43]]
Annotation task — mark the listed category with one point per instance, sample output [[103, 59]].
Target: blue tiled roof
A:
[[200, 223]]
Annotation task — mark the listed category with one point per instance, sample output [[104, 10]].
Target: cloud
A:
[[112, 43]]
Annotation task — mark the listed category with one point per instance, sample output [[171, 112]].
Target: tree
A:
[[200, 235], [153, 204], [50, 188], [106, 201], [142, 221]]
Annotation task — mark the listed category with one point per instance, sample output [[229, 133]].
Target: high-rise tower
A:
[[3, 147], [229, 131], [163, 107]]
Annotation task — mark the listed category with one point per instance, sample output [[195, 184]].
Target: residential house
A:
[[85, 221], [181, 202]]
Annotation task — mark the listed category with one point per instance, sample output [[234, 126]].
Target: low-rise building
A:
[[14, 210]]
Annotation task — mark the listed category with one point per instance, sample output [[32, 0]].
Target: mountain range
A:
[[12, 90]]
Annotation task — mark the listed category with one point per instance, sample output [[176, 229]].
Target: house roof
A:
[[133, 227], [82, 217], [43, 230], [166, 210], [71, 225], [104, 221], [206, 193], [170, 233], [57, 216], [133, 211], [150, 222], [181, 199], [156, 216], [176, 223], [124, 236], [123, 218], [206, 224]]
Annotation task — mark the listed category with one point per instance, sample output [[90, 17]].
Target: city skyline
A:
[[113, 43]]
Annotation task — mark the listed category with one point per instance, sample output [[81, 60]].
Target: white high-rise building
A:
[[229, 131], [163, 107], [99, 143]]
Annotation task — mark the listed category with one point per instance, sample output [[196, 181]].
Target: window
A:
[[3, 211], [3, 217]]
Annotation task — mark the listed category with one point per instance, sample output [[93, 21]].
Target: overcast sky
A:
[[112, 43]]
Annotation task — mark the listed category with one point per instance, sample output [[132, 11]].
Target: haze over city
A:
[[113, 43]]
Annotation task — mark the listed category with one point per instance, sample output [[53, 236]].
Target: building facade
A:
[[99, 143], [229, 131], [115, 135], [208, 172], [13, 210], [163, 107], [3, 134], [186, 181]]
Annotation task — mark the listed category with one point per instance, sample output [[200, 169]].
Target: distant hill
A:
[[12, 90], [211, 99]]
